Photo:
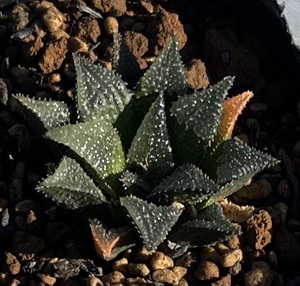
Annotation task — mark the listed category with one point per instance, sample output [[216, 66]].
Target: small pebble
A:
[[235, 269], [234, 242], [25, 206], [138, 269], [224, 281], [207, 270], [232, 257], [186, 260], [93, 281], [260, 275], [47, 279], [76, 45], [113, 278], [111, 26], [53, 19], [121, 265], [160, 261], [221, 248], [210, 253], [165, 276], [143, 255], [12, 264], [179, 271], [137, 281]]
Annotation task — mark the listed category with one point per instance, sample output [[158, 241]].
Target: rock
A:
[[210, 253], [20, 15], [93, 281], [117, 8], [138, 269], [25, 206], [76, 45], [57, 35], [54, 55], [160, 261], [87, 29], [231, 257], [47, 279], [196, 74], [258, 190], [53, 19], [258, 229], [113, 278], [137, 43], [161, 28], [235, 269], [111, 26], [221, 248], [121, 265], [260, 275], [234, 242], [179, 271], [186, 260], [12, 264], [137, 281], [224, 281], [183, 282], [165, 276], [143, 255], [206, 270]]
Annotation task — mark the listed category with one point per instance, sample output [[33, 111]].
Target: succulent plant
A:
[[153, 150]]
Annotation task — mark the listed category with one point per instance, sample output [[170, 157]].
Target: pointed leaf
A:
[[232, 108], [100, 92], [97, 143], [187, 184], [107, 243], [124, 62], [151, 146], [233, 160], [42, 114], [201, 110], [209, 227], [167, 73], [69, 184], [133, 182], [153, 222]]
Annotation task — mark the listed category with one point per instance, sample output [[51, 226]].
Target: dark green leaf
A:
[[187, 184], [151, 146], [42, 114], [201, 111], [97, 143], [153, 222], [69, 184], [209, 227], [100, 92], [167, 73]]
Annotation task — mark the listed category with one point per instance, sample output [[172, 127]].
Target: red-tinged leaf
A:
[[232, 108]]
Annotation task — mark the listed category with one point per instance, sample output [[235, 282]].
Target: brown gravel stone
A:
[[136, 281], [165, 276], [88, 29], [258, 229], [260, 275], [186, 260], [224, 281], [143, 255], [221, 248], [234, 242], [197, 75], [161, 28], [12, 264], [179, 271], [113, 278], [93, 281], [137, 43], [207, 270], [53, 19], [121, 265], [111, 26], [138, 269], [47, 279], [115, 7], [211, 254], [54, 55], [160, 261], [231, 257], [76, 45]]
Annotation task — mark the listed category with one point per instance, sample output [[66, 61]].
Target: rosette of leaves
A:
[[153, 150]]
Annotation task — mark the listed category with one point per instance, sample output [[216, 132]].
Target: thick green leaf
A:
[[151, 146], [201, 111], [167, 73], [233, 160], [100, 92], [133, 183], [42, 114], [209, 227], [152, 222], [108, 242], [97, 143], [124, 62], [69, 184], [187, 184]]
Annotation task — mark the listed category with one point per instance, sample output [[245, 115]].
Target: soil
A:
[[44, 244]]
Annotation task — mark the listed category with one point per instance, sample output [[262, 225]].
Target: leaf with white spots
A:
[[233, 160], [208, 228], [69, 184], [151, 146], [100, 92], [42, 114], [201, 110], [97, 143], [167, 73], [152, 222], [187, 184], [108, 242]]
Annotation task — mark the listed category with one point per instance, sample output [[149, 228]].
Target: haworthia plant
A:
[[181, 155]]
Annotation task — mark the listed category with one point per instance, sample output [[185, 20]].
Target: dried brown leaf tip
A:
[[232, 108], [105, 240]]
